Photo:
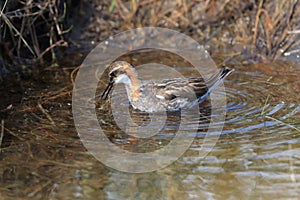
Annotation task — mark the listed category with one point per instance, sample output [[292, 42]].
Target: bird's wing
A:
[[199, 86], [172, 90]]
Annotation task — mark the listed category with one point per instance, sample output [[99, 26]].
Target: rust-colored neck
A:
[[135, 84]]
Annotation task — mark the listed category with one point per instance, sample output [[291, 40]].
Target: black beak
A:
[[107, 89]]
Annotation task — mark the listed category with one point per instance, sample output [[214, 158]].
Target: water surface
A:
[[256, 156]]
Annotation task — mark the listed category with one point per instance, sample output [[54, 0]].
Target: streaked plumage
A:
[[169, 94]]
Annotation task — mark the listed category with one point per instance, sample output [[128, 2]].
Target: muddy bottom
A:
[[255, 156]]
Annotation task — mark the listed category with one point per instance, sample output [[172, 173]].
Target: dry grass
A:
[[266, 29], [30, 29], [259, 29]]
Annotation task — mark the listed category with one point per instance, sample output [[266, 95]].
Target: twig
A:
[[289, 125], [272, 118], [9, 24], [145, 2], [257, 22], [72, 75], [294, 32], [39, 188], [291, 52], [45, 113], [2, 10], [264, 107], [2, 133], [51, 47], [112, 6], [13, 134], [54, 13], [58, 163]]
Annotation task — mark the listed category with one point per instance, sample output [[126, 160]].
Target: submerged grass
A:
[[274, 119], [283, 123], [40, 152]]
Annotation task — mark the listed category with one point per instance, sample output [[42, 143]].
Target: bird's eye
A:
[[113, 74]]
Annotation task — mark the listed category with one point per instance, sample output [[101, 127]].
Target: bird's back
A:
[[177, 93]]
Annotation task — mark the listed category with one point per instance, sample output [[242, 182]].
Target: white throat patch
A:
[[123, 78]]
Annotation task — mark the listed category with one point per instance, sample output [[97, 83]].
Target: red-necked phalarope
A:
[[169, 94]]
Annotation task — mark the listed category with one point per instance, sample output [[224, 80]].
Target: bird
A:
[[164, 95]]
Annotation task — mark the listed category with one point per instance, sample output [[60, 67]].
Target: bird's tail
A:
[[218, 77], [214, 81]]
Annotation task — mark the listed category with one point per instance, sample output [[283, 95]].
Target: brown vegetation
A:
[[264, 28]]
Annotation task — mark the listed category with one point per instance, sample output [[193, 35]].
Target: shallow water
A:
[[257, 155]]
